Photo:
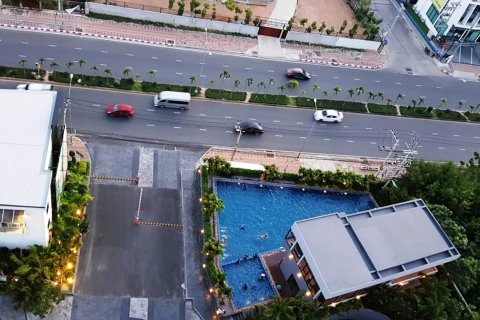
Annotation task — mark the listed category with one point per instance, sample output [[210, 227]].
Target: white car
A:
[[328, 115], [35, 86]]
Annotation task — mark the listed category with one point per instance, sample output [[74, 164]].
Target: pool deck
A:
[[291, 162]]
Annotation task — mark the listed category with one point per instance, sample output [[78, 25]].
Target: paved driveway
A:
[[127, 270]]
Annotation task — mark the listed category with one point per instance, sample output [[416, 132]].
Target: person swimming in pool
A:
[[264, 236]]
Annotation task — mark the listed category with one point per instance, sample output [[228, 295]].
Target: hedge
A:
[[416, 112], [158, 87], [83, 167], [269, 99], [341, 105], [390, 110], [472, 116], [449, 115], [225, 95], [23, 73], [305, 102], [94, 81]]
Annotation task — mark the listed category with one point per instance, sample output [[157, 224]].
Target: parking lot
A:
[[157, 258]]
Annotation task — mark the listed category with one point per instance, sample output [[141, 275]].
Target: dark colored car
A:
[[120, 110], [249, 127], [298, 73]]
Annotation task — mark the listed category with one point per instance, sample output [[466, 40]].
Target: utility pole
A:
[[400, 159], [387, 31]]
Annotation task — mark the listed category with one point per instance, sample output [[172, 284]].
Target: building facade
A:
[[335, 258], [451, 18], [31, 144]]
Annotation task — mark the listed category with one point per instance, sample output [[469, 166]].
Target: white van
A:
[[172, 99], [35, 86]]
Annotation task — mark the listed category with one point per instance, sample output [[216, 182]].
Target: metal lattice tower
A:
[[400, 159]]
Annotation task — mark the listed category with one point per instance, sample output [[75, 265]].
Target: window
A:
[[11, 220], [297, 252], [290, 238], [432, 13], [293, 285]]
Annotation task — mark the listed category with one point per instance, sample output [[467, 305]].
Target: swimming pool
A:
[[256, 218]]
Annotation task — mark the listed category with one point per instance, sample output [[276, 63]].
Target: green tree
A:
[[359, 91], [261, 85], [443, 102], [342, 27], [170, 4], [212, 204], [421, 101], [293, 84], [108, 73], [224, 75], [181, 7], [272, 172], [400, 96], [126, 72], [69, 64], [303, 22], [271, 82], [217, 166], [94, 70], [281, 90], [54, 65], [324, 95], [353, 31], [248, 83], [336, 90], [206, 6], [32, 287], [322, 27], [248, 16], [213, 248], [152, 73], [22, 64], [194, 4]]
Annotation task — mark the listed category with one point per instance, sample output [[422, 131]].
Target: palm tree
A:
[[236, 83], [293, 84], [151, 73], [303, 92], [22, 64], [421, 100], [281, 89], [271, 82], [315, 88], [248, 83], [336, 90], [460, 104], [81, 62], [443, 101], [108, 73], [380, 95], [324, 95], [69, 64], [193, 80], [399, 97], [351, 92], [211, 83], [413, 103], [126, 72], [389, 101], [137, 77], [54, 65], [371, 96], [359, 91], [94, 70], [212, 204], [213, 248], [261, 85], [224, 75]]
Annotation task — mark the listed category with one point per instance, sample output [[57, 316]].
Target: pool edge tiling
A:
[[256, 217]]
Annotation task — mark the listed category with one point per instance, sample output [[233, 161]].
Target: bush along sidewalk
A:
[[385, 109], [219, 94]]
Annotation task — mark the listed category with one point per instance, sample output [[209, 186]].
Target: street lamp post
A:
[[239, 135], [67, 105], [202, 64]]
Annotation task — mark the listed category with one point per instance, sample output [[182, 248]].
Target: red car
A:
[[120, 110]]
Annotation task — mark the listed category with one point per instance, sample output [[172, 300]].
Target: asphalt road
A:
[[177, 66], [211, 123]]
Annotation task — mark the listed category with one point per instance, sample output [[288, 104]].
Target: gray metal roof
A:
[[25, 145], [351, 252]]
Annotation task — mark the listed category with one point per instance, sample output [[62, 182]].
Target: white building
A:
[[451, 18], [31, 145], [336, 257]]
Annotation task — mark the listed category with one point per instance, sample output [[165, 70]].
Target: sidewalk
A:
[[52, 21]]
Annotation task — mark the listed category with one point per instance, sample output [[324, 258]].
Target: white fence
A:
[[333, 41], [170, 19]]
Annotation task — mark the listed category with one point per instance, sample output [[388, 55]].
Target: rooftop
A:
[[351, 252], [25, 143]]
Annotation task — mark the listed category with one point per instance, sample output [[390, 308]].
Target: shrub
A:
[[472, 116], [416, 112], [225, 95], [268, 99], [341, 105], [382, 109], [83, 167], [158, 87], [126, 84], [449, 115], [305, 102]]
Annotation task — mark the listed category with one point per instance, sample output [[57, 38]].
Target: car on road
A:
[[249, 126], [328, 115], [298, 73], [172, 99], [120, 110]]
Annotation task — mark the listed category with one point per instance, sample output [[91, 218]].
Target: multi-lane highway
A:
[[177, 66], [211, 123]]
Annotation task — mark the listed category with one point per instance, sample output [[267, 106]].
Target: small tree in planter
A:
[[170, 4], [211, 204], [257, 21], [303, 22], [290, 23], [230, 5], [342, 27], [214, 11], [248, 16], [206, 6], [181, 7], [330, 31], [218, 165], [194, 4], [353, 31], [238, 11], [213, 248], [322, 27]]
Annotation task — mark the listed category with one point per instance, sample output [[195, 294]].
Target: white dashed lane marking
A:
[[151, 110], [179, 60], [276, 121], [95, 105], [202, 129], [104, 51], [356, 79], [252, 119], [372, 142], [248, 68], [22, 56], [228, 131], [278, 135], [303, 137], [350, 141], [177, 112], [228, 117], [51, 59], [438, 87], [52, 45], [178, 73], [462, 149], [150, 125], [155, 58], [24, 42], [224, 66], [129, 54], [177, 127], [203, 115], [368, 128], [418, 85], [456, 135], [326, 139], [79, 49], [398, 83], [434, 133], [103, 64], [299, 122], [270, 71], [378, 81], [335, 77], [441, 148]]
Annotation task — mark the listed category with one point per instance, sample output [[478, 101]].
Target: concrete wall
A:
[[170, 18], [333, 41]]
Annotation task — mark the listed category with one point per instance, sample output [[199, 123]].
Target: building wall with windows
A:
[[27, 163], [451, 18]]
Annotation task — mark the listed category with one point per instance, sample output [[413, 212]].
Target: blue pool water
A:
[[256, 219], [247, 272]]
